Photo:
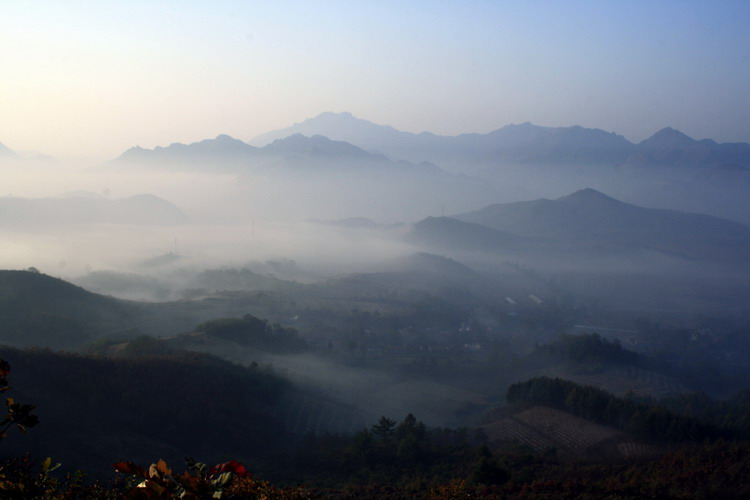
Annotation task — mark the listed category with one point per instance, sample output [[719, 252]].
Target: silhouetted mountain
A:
[[524, 161], [298, 152], [666, 138], [523, 143], [338, 126], [294, 150], [530, 144], [671, 147], [588, 219], [221, 149], [6, 153], [517, 144], [87, 208], [327, 135], [325, 177]]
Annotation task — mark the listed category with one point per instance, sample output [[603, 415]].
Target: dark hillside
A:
[[95, 411], [42, 311], [39, 310]]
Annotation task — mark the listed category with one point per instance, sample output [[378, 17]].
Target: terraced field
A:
[[303, 414], [542, 428], [511, 429]]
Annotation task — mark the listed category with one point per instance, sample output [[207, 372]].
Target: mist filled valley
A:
[[342, 303]]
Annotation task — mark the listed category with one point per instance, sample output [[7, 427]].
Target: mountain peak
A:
[[587, 195], [668, 136], [226, 138], [336, 126], [331, 119]]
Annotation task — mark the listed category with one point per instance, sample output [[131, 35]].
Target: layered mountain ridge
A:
[[587, 222], [521, 143]]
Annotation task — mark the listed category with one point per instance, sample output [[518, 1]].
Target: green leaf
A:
[[223, 480]]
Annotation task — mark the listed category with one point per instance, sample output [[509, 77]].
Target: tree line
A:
[[649, 421]]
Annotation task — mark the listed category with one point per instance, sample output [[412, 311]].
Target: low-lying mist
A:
[[228, 221], [93, 226]]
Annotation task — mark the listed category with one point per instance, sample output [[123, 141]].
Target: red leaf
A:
[[130, 468], [232, 466]]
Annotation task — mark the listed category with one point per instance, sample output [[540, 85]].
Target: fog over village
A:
[[386, 251]]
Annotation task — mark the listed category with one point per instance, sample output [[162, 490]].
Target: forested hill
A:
[[39, 310], [42, 311], [590, 221], [94, 411]]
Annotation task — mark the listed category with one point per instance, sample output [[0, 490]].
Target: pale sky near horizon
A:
[[93, 78]]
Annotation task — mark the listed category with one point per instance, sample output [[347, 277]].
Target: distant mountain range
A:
[[668, 170], [587, 223], [377, 171], [516, 162], [523, 143], [315, 177], [518, 144], [343, 135], [671, 147], [222, 148], [294, 150], [225, 148]]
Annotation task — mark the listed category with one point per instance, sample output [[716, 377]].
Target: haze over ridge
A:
[[632, 67]]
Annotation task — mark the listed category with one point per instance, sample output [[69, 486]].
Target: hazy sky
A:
[[92, 78]]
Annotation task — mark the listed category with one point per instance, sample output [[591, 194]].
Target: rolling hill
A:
[[97, 410], [39, 310], [43, 311], [589, 220]]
